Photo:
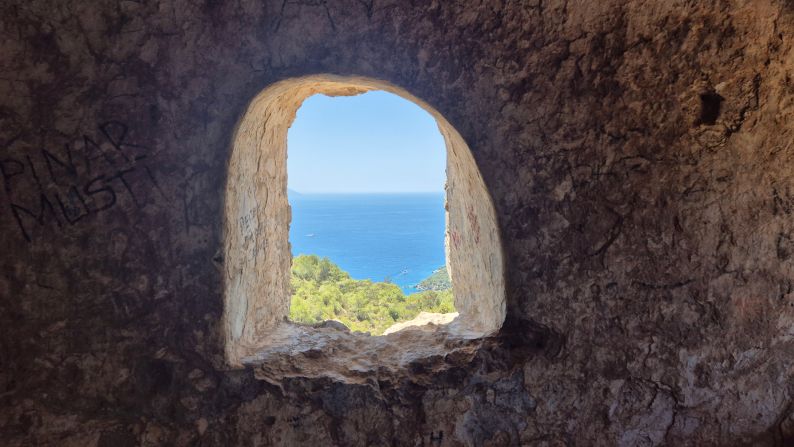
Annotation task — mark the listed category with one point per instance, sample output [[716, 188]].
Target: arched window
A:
[[257, 256]]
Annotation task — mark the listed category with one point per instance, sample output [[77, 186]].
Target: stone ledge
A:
[[294, 350]]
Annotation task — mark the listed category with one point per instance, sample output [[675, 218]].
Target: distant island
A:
[[322, 291]]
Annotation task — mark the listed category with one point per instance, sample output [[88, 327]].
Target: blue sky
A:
[[375, 142]]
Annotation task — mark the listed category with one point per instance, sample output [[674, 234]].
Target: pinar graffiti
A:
[[72, 182]]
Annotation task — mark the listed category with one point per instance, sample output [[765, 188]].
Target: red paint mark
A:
[[454, 237], [473, 223]]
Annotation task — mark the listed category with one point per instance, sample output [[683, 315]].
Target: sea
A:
[[381, 237]]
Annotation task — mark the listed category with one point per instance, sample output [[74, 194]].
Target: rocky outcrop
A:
[[428, 319]]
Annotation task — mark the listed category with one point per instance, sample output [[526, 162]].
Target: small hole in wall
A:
[[710, 104]]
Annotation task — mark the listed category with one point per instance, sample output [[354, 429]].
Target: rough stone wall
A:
[[639, 154]]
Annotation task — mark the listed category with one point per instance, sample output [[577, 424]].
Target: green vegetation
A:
[[322, 291], [439, 280]]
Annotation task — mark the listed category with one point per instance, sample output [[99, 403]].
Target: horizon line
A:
[[365, 192]]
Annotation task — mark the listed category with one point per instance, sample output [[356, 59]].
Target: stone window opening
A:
[[257, 258]]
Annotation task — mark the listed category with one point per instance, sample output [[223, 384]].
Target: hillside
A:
[[322, 291], [438, 281]]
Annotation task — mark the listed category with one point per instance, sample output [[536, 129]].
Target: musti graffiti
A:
[[81, 179]]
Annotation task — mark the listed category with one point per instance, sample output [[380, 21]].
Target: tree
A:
[[323, 291]]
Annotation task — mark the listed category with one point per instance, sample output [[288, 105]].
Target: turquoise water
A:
[[395, 237]]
